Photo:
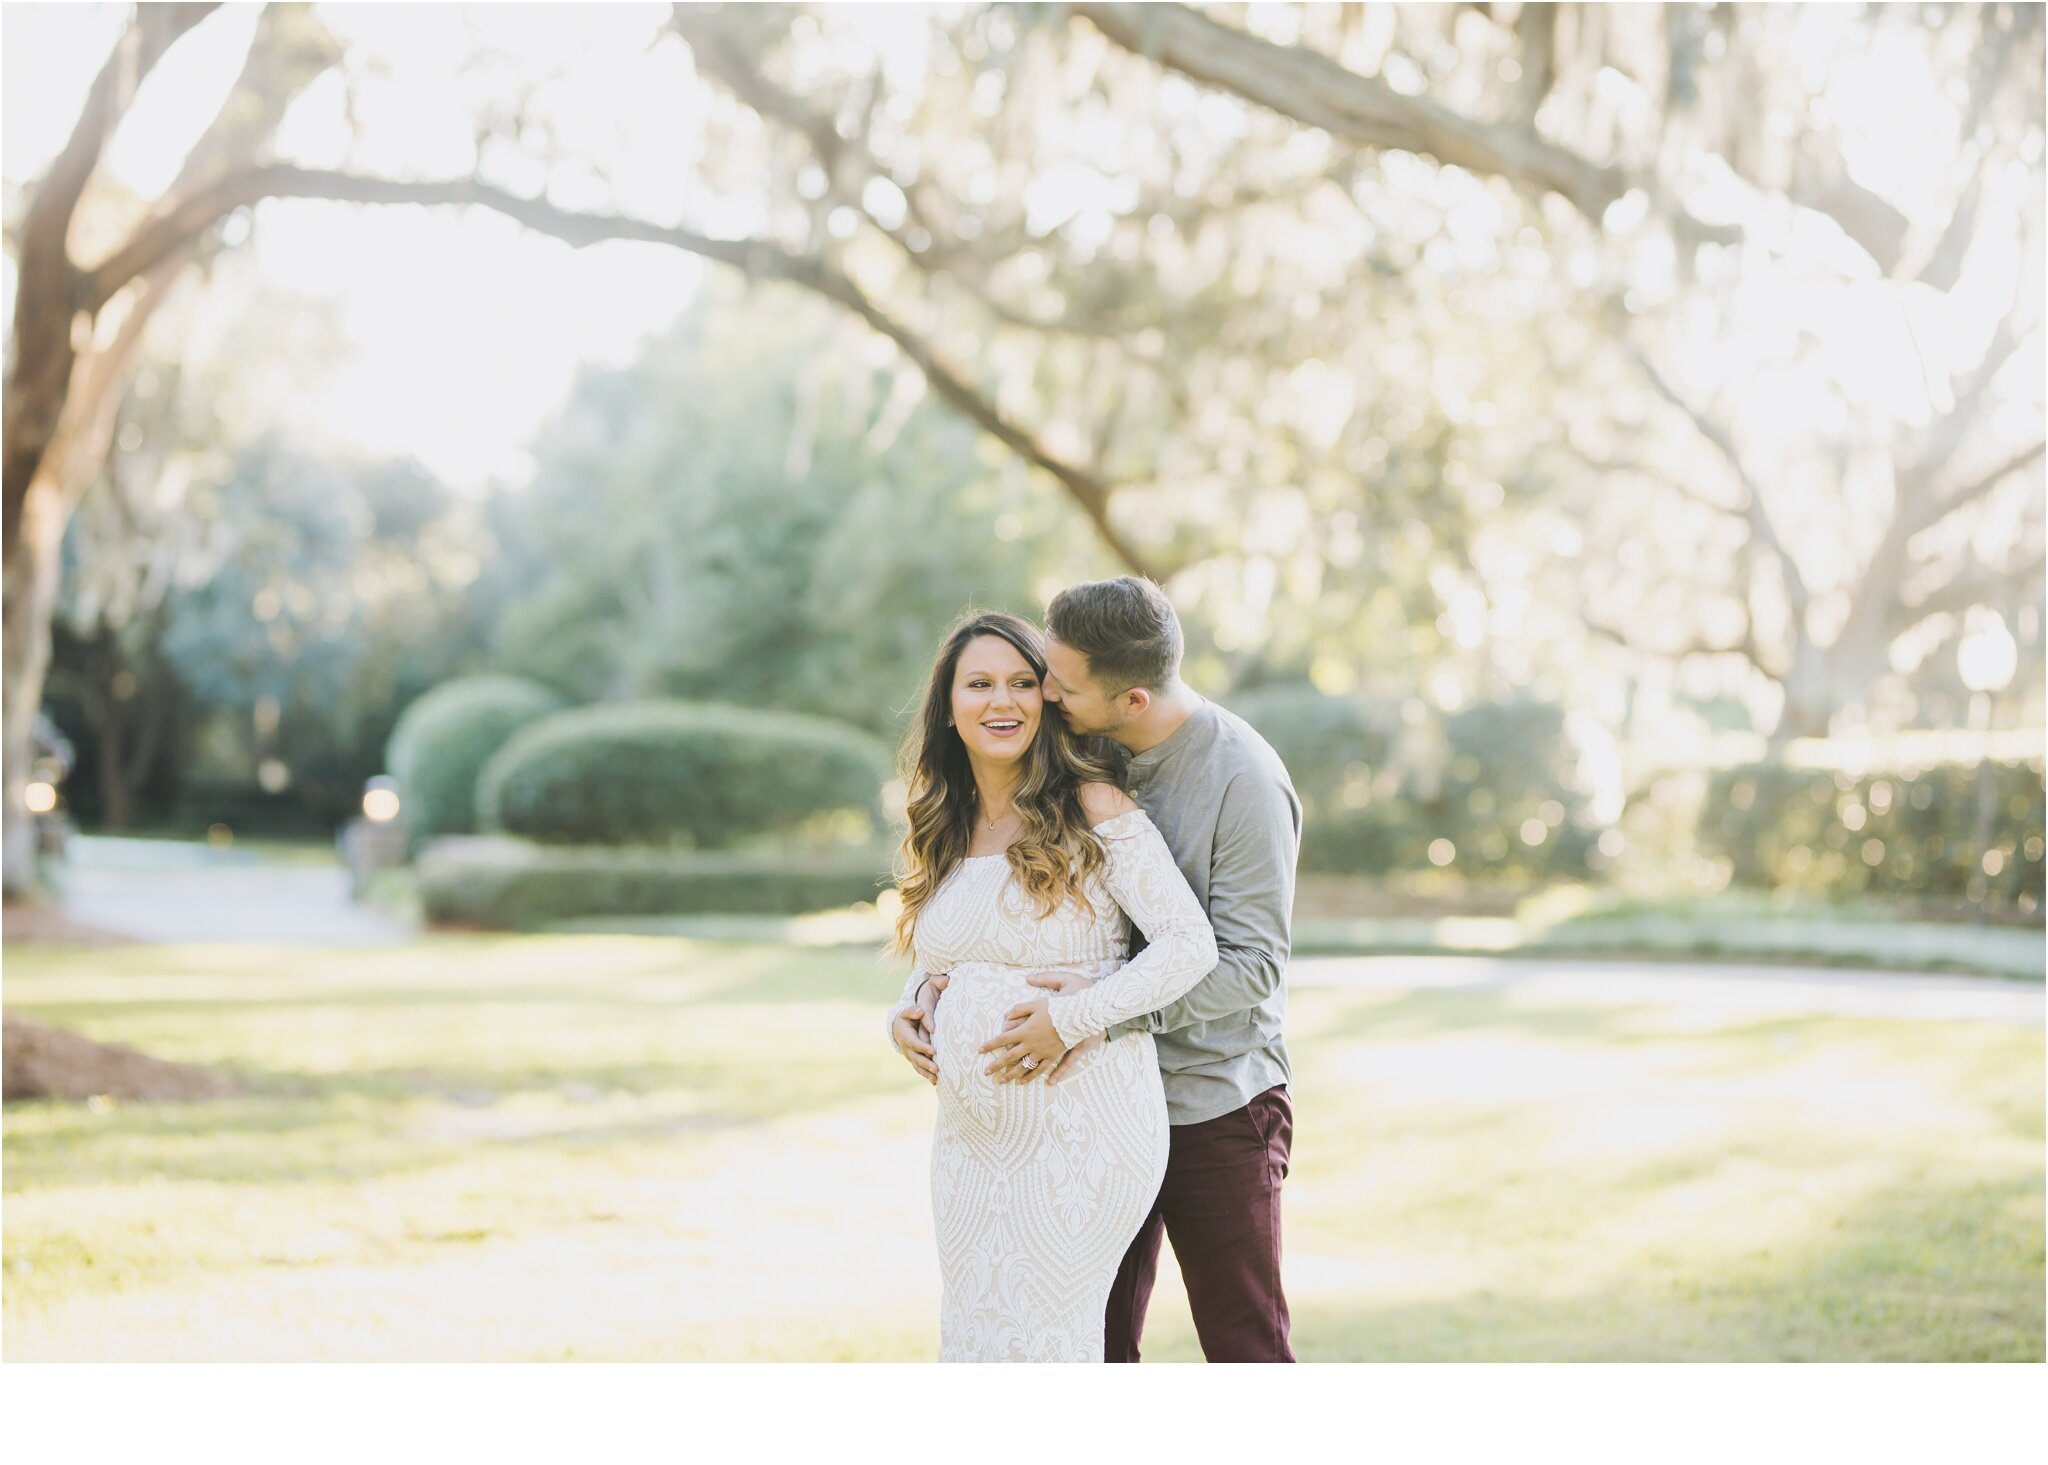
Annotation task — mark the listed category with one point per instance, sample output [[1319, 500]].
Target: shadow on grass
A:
[[1492, 1009], [739, 977], [569, 1032], [350, 1128]]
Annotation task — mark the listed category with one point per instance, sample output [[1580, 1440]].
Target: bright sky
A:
[[473, 327]]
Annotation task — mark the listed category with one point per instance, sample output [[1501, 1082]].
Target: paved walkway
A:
[[1757, 987], [165, 890], [161, 890]]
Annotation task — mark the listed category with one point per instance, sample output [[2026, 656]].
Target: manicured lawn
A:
[[587, 1146]]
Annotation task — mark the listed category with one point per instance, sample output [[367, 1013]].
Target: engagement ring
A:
[[1030, 1062]]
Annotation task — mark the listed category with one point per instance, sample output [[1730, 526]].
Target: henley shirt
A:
[[1221, 798]]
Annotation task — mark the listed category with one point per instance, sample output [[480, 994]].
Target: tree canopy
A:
[[1411, 346]]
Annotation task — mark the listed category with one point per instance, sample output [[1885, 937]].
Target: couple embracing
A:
[[1064, 787]]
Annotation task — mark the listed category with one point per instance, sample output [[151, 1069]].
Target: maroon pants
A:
[[1220, 1202]]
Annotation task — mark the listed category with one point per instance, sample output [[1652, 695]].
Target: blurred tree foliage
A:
[[754, 511], [342, 595], [1380, 785], [1479, 353], [226, 362], [237, 594], [1424, 342]]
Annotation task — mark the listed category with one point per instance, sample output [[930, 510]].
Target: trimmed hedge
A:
[[506, 884], [1323, 740], [1891, 833], [1365, 813], [444, 738], [1336, 750], [1504, 778], [682, 773]]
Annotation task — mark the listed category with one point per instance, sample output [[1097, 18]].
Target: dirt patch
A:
[[38, 1062], [20, 921]]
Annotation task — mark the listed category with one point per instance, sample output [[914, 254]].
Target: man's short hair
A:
[[1125, 627]]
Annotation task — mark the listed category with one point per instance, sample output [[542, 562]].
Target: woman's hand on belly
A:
[[1027, 1043], [1030, 1046]]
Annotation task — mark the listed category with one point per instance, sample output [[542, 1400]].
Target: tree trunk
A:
[[1824, 681], [46, 303], [1810, 700], [146, 714], [30, 596], [68, 373], [71, 459], [113, 763]]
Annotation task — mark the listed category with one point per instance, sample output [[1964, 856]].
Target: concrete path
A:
[[165, 890], [1761, 988], [161, 890]]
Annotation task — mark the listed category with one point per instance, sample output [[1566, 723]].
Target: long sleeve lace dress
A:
[[1037, 1189]]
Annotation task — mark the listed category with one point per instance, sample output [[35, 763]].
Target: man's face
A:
[[1067, 683]]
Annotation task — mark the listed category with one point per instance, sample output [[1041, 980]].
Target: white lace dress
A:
[[1037, 1189]]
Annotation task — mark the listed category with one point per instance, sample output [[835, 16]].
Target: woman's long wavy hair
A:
[[1057, 851]]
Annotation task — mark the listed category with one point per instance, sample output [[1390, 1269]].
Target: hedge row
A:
[[1495, 792], [1908, 833], [504, 884], [671, 774], [1498, 780]]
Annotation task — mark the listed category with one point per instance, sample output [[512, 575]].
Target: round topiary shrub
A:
[[443, 739], [685, 774]]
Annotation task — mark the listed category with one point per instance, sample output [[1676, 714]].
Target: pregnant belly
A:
[[970, 1013]]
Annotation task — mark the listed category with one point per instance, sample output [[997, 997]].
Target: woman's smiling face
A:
[[997, 699]]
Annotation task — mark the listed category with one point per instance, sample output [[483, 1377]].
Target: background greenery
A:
[[1639, 434]]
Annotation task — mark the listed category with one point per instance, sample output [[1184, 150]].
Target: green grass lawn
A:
[[591, 1146]]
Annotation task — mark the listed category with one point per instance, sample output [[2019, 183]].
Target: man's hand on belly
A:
[[1064, 982], [913, 1027]]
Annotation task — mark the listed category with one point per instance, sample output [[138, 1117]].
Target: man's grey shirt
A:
[[1222, 799]]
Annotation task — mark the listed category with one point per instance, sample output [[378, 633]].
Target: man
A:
[[1222, 799]]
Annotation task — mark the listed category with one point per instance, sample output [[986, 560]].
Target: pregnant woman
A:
[[1024, 857]]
